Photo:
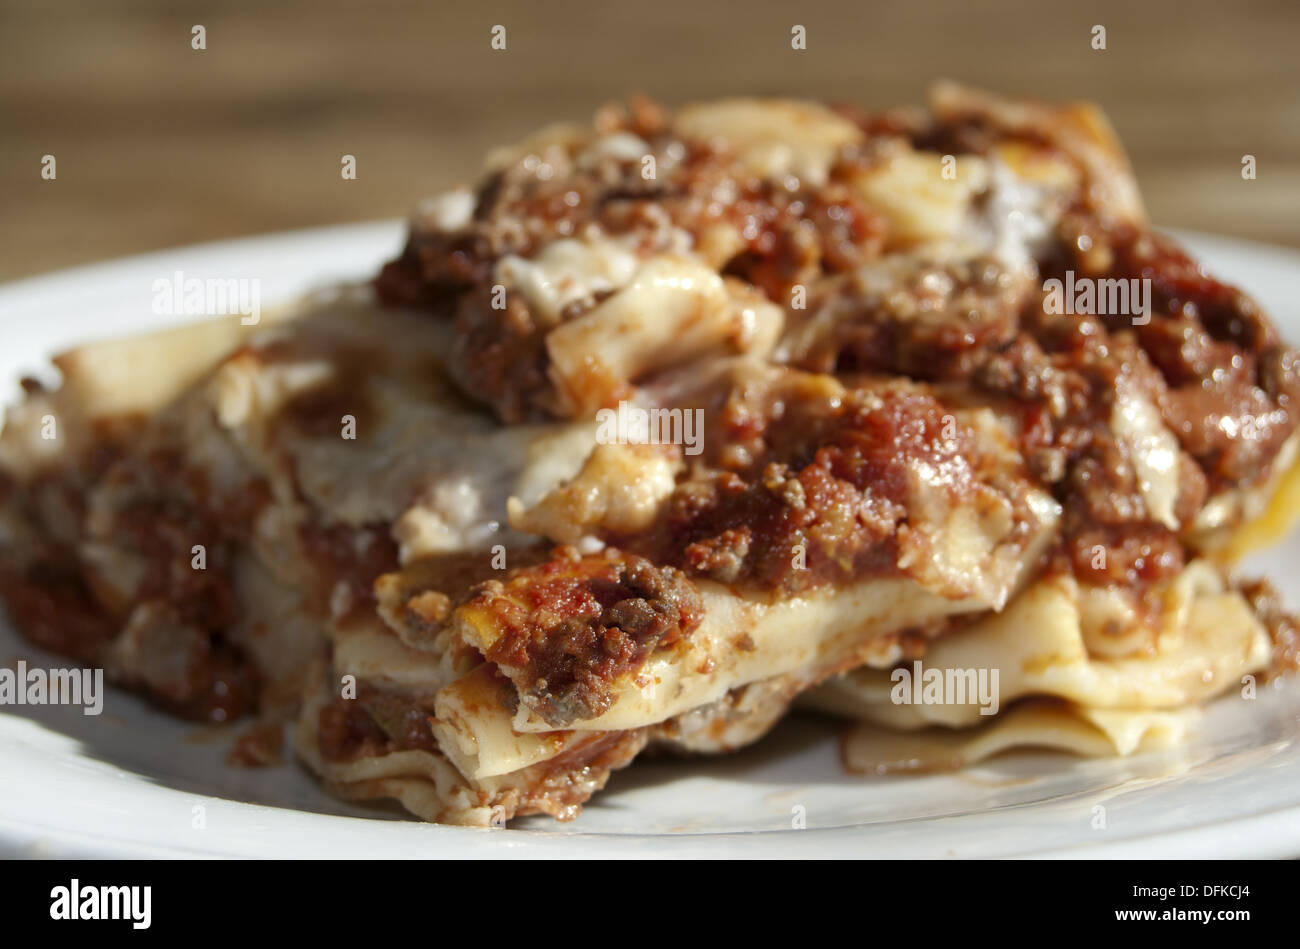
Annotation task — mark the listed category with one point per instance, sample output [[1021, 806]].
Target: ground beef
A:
[[910, 317], [819, 493], [569, 629], [788, 235]]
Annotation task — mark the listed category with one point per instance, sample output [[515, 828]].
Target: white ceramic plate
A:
[[134, 782]]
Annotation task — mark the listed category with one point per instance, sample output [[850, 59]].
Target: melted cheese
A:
[[1080, 130], [1015, 221], [1153, 451], [567, 272], [673, 309], [620, 489], [922, 201], [774, 138], [448, 211]]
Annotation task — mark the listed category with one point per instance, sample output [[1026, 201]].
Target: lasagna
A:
[[675, 422]]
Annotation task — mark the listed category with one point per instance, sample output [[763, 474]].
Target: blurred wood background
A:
[[158, 144]]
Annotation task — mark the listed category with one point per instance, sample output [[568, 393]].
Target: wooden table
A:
[[158, 144]]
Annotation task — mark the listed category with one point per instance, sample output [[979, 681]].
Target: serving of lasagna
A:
[[677, 421]]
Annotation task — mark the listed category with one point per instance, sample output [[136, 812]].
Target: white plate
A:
[[134, 782]]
